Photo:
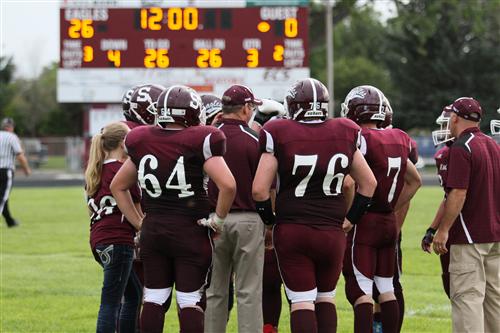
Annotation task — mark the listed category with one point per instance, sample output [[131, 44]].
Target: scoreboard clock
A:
[[107, 48]]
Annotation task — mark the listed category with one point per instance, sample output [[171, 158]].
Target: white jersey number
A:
[[393, 163], [311, 160], [178, 173], [105, 207]]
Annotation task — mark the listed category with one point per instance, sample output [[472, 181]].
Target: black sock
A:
[[401, 304], [303, 321], [326, 317], [363, 318], [152, 318], [191, 320], [390, 316]]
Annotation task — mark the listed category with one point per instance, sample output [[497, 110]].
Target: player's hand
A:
[[27, 172], [213, 222], [217, 118], [268, 239], [439, 243], [427, 240], [347, 226]]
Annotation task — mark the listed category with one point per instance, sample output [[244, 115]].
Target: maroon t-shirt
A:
[[474, 164], [107, 225], [242, 157], [170, 167], [386, 151], [313, 159], [441, 157]]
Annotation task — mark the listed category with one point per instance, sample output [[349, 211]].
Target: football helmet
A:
[[126, 102], [387, 123], [307, 99], [143, 103], [364, 104], [495, 125], [180, 105], [443, 134], [212, 105]]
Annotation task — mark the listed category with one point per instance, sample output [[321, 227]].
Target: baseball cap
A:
[[7, 122], [467, 108], [239, 95]]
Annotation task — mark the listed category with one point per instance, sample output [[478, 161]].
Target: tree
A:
[[439, 51], [7, 69]]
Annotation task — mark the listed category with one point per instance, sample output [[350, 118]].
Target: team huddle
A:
[[200, 193]]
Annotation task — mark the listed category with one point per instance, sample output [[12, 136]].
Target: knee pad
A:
[[329, 294], [157, 296], [301, 296], [188, 299], [384, 284]]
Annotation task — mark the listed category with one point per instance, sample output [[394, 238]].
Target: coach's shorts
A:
[[309, 258], [175, 250]]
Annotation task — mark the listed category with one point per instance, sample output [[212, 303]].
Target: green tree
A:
[[439, 51], [7, 69]]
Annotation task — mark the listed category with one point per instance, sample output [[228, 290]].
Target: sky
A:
[[29, 31]]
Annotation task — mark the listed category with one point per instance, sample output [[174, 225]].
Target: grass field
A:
[[50, 282]]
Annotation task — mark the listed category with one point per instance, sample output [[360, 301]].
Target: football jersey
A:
[[386, 152], [313, 159], [441, 158], [131, 124], [107, 226], [170, 167], [474, 160]]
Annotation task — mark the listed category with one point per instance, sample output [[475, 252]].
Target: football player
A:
[[311, 155], [400, 218], [170, 161], [213, 107], [370, 253], [495, 125], [441, 136], [139, 104]]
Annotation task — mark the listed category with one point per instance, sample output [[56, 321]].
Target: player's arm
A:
[[124, 179], [429, 233], [452, 207], [412, 183], [218, 171], [366, 182], [261, 187], [348, 189]]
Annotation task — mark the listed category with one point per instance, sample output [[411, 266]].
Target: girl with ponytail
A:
[[111, 235]]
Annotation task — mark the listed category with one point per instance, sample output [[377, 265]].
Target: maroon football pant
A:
[[370, 252], [308, 257]]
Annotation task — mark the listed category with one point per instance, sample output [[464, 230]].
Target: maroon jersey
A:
[[441, 158], [313, 159], [131, 124], [386, 152], [242, 157], [474, 164], [413, 151], [107, 226], [170, 167]]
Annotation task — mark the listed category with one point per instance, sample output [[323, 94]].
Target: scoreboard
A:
[[105, 49]]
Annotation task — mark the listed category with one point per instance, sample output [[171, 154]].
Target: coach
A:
[[471, 222], [240, 248], [10, 149]]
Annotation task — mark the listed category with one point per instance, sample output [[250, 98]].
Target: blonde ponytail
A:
[[108, 140]]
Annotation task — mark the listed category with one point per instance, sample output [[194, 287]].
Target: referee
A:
[[10, 149]]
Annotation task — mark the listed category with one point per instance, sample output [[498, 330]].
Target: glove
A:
[[427, 240], [268, 110], [213, 222]]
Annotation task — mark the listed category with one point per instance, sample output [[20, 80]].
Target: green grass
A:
[[54, 163], [49, 281]]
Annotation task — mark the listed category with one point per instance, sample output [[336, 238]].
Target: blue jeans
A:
[[119, 282]]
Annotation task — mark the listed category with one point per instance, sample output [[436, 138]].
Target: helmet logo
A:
[[357, 92]]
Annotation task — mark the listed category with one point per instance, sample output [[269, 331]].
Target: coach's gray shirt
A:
[[10, 147]]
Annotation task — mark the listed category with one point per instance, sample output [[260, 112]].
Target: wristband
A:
[[431, 231], [262, 118], [265, 211], [359, 206]]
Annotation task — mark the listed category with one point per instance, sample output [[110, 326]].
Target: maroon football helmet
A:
[[180, 105], [126, 102], [212, 105], [364, 104], [307, 99], [143, 103], [387, 123]]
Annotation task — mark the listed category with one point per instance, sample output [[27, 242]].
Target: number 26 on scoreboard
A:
[[209, 58], [156, 58]]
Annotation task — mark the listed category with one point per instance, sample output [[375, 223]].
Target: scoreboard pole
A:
[[329, 55]]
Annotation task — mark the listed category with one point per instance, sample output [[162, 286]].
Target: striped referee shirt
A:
[[10, 147]]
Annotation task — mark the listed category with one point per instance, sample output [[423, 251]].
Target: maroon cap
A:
[[467, 108], [239, 95]]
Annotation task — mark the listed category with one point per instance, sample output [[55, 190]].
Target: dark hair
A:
[[227, 109]]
